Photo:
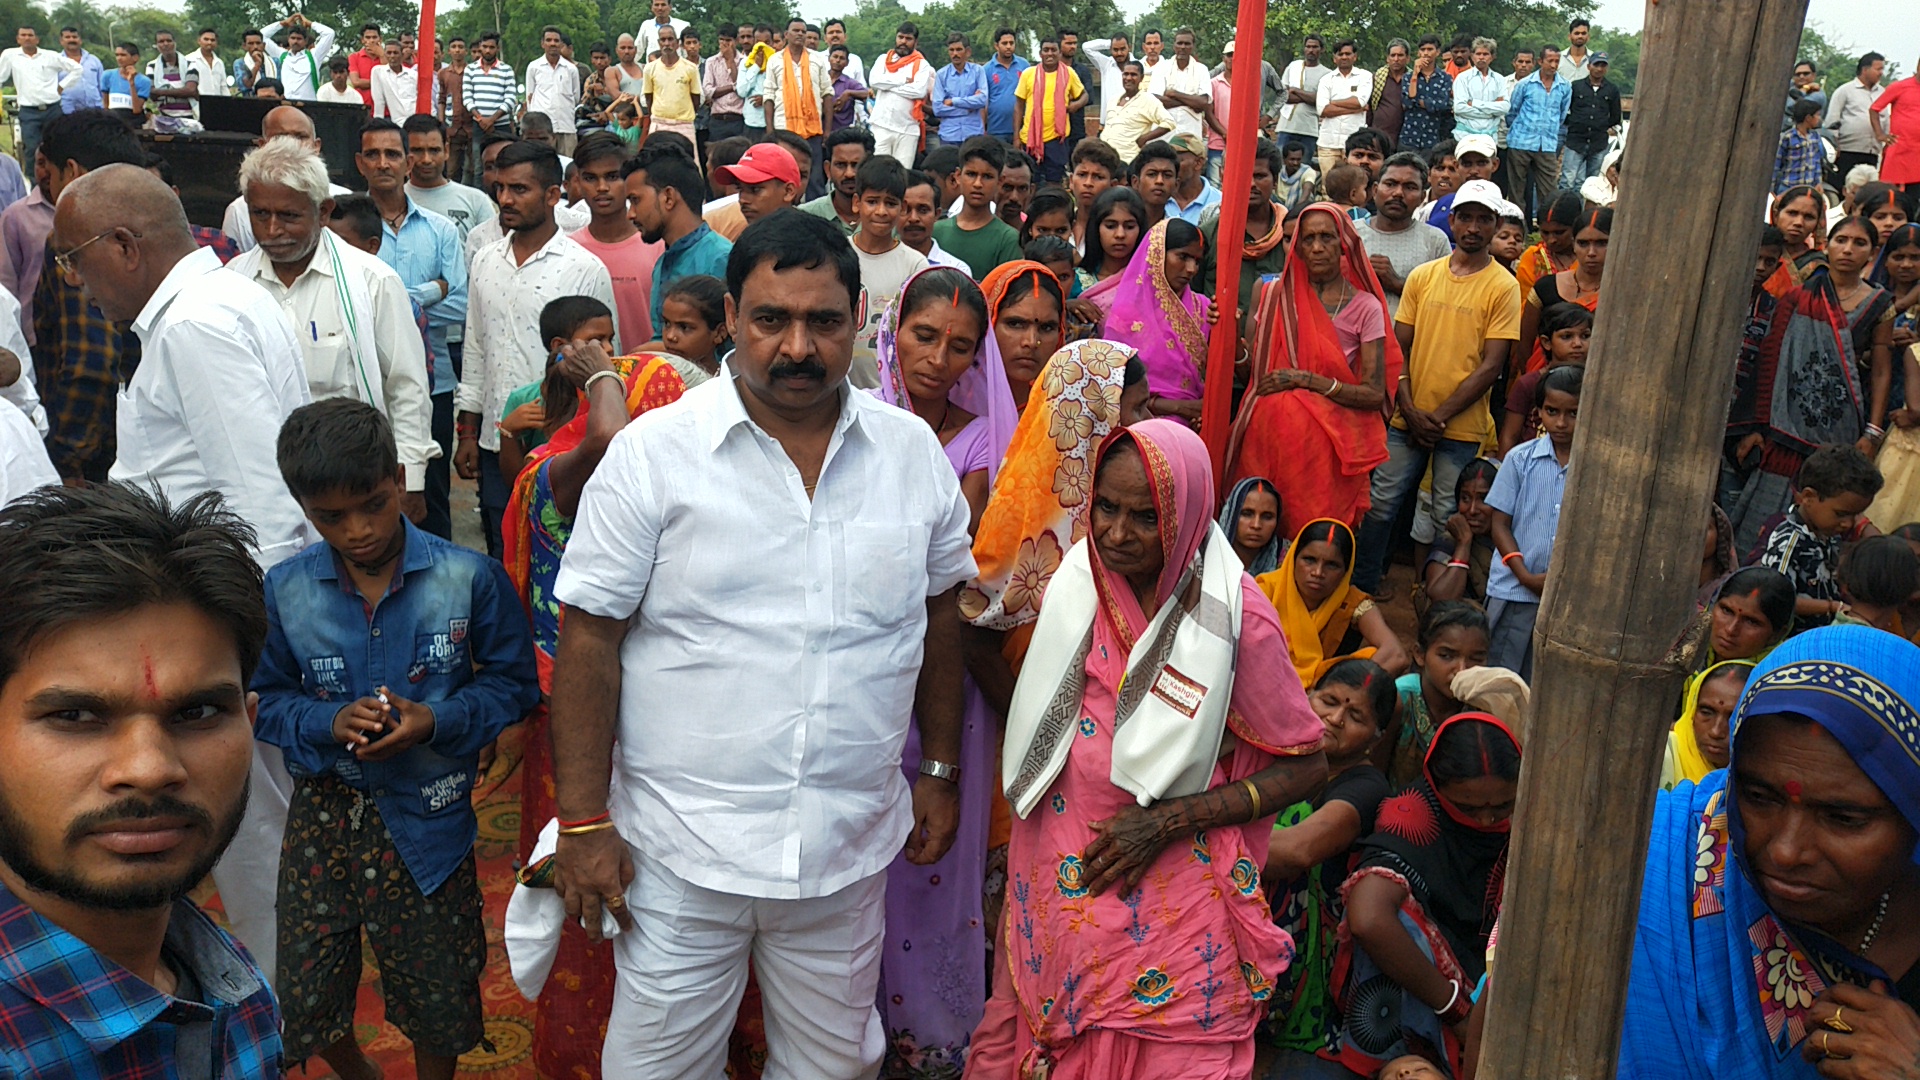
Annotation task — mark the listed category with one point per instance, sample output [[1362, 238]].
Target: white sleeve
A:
[[470, 395], [616, 535], [21, 391]]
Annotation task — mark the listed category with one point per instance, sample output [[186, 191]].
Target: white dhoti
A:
[[248, 875]]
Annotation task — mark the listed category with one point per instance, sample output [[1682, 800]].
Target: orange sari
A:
[[1319, 455]]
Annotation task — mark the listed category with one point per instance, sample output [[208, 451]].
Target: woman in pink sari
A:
[[1151, 306], [1137, 941], [1326, 364]]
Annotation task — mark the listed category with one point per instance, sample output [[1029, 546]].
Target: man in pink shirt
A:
[[611, 237], [1217, 116]]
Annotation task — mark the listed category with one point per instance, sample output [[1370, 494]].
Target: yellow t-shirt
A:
[[672, 90], [1045, 103], [1452, 319]]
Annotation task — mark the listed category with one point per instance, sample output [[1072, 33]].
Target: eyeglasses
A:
[[63, 260]]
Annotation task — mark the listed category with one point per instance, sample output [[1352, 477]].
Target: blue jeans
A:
[[1310, 145], [1216, 165], [32, 119], [1576, 167], [1396, 481]]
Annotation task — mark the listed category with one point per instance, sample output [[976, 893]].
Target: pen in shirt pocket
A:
[[314, 329]]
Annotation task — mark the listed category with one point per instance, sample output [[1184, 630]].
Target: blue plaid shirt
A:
[[1802, 153], [1534, 113], [69, 1013]]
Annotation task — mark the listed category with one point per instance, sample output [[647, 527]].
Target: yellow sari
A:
[[1313, 634], [1684, 759]]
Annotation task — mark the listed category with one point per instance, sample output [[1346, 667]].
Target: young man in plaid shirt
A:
[[132, 630]]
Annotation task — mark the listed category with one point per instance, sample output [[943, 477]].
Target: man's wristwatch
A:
[[939, 770]]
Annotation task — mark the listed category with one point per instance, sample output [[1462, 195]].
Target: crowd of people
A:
[[849, 553]]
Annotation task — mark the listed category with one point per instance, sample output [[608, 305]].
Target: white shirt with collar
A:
[[396, 94], [219, 373], [490, 230], [36, 79], [895, 92], [938, 256], [301, 71], [766, 687], [212, 75], [504, 350], [336, 320], [554, 89], [1192, 79]]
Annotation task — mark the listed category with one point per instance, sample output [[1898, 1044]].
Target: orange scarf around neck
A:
[[801, 100]]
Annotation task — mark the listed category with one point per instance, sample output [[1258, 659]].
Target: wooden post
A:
[[1626, 560], [1236, 180]]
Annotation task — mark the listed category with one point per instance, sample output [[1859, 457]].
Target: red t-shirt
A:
[[1901, 104], [362, 65]]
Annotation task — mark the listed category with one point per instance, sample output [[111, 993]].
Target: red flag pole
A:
[[1236, 181], [426, 54]]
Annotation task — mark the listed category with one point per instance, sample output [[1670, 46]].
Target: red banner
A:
[[1236, 180], [426, 55]]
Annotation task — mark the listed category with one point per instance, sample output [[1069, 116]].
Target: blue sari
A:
[[1720, 986]]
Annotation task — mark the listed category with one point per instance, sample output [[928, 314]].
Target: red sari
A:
[[1318, 455]]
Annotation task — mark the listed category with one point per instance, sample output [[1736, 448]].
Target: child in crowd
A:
[[1566, 335], [626, 121], [1461, 558], [1835, 486], [693, 326], [524, 422], [1510, 239], [1443, 176], [392, 658], [1451, 638], [1297, 178], [1410, 1067], [1773, 248], [337, 91], [1310, 851], [1056, 254], [1802, 155], [1351, 187], [886, 262], [1878, 576], [1526, 513]]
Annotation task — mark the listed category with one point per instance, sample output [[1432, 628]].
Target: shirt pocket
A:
[[886, 572], [439, 654], [330, 367]]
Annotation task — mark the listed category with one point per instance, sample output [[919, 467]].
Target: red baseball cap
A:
[[762, 162]]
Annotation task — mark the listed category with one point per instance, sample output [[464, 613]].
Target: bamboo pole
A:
[[1236, 180], [1679, 271]]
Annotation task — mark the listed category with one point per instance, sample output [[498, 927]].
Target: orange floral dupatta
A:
[[1039, 500]]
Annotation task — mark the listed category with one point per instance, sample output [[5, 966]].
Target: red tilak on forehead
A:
[[1793, 790], [146, 670]]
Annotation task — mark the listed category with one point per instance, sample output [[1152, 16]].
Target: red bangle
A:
[[604, 815], [1510, 556]]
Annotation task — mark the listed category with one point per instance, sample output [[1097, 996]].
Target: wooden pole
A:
[[1627, 557], [1236, 180]]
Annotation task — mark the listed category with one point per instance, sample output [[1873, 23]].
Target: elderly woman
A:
[[1325, 364], [1780, 917], [1138, 942]]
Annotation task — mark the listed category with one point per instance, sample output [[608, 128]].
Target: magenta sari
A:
[[1168, 329], [1171, 979]]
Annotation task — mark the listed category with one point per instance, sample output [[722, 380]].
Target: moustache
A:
[[798, 369], [131, 809]]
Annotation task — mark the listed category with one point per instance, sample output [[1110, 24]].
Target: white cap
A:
[[1227, 49], [1483, 192], [1476, 144]]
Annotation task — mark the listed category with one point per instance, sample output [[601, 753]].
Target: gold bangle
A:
[[579, 830], [1254, 794]]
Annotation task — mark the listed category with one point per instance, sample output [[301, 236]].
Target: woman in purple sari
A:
[[939, 358], [1151, 307]]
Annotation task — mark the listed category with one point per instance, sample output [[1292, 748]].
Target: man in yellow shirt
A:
[[671, 86], [1135, 118], [1040, 123], [1458, 319]]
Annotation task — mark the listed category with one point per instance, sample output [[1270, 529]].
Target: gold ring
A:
[[1826, 1040], [614, 903], [1835, 1023]]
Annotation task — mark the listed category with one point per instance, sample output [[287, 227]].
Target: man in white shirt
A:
[[1184, 86], [835, 32], [1845, 117], [280, 120], [1108, 58], [303, 62], [647, 36], [553, 88], [396, 87], [900, 80], [219, 373], [1341, 100], [509, 282], [1480, 94], [811, 82], [210, 75], [37, 75], [1300, 115], [860, 539], [349, 311]]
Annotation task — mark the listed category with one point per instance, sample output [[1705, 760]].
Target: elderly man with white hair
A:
[[280, 120], [349, 310]]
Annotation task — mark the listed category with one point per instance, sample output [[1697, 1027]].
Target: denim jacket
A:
[[461, 644]]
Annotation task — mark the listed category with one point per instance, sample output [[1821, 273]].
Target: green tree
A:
[[706, 16], [232, 17], [1513, 23]]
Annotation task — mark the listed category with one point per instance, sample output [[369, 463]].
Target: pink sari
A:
[[1170, 980], [1168, 329]]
